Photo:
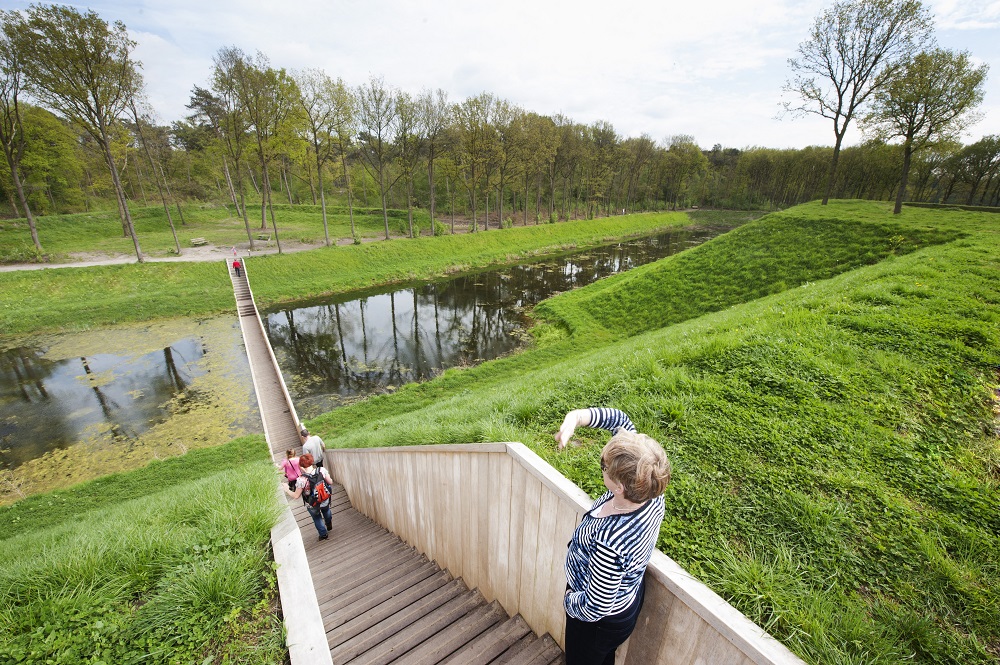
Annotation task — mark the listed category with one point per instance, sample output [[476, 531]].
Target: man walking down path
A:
[[313, 445]]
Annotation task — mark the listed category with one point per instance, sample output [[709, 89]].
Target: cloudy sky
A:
[[712, 69]]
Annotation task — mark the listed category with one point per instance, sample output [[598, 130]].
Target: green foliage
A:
[[835, 463], [172, 571]]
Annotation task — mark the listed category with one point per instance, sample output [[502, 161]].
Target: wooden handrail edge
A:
[[304, 629], [730, 623]]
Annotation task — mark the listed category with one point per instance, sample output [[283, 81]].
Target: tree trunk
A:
[[385, 203], [832, 173], [267, 193], [229, 183], [526, 185], [430, 188], [253, 180], [409, 203], [16, 178], [901, 192], [312, 186], [322, 198], [288, 182], [120, 193], [138, 179], [451, 198], [350, 202]]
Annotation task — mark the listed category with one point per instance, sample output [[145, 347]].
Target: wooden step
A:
[[488, 646]]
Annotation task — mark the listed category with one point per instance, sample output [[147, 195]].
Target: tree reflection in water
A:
[[47, 404], [338, 349]]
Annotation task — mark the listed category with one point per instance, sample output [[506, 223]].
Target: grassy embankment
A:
[[35, 301], [167, 564], [836, 467]]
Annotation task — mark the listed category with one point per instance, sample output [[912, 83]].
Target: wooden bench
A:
[[197, 242], [264, 236]]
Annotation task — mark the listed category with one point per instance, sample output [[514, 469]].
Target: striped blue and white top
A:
[[607, 556]]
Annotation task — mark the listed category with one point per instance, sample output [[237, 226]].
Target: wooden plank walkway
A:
[[380, 600]]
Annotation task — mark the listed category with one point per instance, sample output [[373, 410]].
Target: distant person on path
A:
[[306, 486], [236, 266], [611, 547], [312, 444], [291, 468]]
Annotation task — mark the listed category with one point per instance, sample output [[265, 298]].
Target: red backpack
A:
[[317, 490]]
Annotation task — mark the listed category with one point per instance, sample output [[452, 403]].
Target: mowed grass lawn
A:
[[42, 300], [100, 232]]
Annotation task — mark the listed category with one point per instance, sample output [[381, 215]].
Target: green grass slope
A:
[[34, 301], [836, 462], [168, 564]]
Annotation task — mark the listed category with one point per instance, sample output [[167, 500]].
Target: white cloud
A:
[[712, 69]]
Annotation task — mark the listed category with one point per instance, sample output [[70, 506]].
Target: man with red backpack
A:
[[315, 487]]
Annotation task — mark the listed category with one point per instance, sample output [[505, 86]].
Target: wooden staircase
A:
[[381, 601]]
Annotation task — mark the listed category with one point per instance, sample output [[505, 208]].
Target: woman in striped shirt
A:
[[611, 547]]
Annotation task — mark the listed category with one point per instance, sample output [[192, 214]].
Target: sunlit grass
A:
[[33, 301], [836, 471], [177, 570]]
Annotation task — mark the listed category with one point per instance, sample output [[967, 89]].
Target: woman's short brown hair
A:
[[306, 461], [638, 463]]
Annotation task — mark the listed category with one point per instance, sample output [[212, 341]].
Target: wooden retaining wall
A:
[[500, 517]]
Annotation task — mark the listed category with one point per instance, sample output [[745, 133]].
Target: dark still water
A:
[[87, 403], [67, 399], [333, 351], [97, 401]]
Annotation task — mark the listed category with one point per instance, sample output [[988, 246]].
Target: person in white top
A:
[[312, 444]]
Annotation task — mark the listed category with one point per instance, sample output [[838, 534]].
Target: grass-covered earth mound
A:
[[166, 564], [834, 444]]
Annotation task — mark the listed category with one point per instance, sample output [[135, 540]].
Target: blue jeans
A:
[[595, 643], [322, 518]]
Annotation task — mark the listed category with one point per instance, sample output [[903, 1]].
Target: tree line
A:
[[78, 133]]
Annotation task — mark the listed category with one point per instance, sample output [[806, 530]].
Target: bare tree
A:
[[343, 125], [144, 144], [268, 96], [376, 118], [434, 114], [854, 48], [319, 101], [474, 118], [227, 120], [409, 147]]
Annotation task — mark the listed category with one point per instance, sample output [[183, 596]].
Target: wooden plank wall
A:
[[500, 517]]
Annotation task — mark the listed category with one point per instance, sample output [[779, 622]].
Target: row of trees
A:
[[256, 131]]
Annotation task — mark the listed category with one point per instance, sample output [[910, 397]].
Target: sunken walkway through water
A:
[[373, 599]]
